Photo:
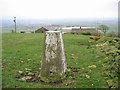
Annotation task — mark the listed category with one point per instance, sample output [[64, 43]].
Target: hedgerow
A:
[[112, 50]]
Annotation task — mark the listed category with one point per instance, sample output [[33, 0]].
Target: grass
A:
[[20, 51]]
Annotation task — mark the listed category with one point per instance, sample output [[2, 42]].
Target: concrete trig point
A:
[[53, 62]]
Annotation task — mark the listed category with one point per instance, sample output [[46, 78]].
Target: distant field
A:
[[20, 51], [113, 28], [27, 28]]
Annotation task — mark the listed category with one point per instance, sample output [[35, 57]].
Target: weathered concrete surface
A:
[[53, 62]]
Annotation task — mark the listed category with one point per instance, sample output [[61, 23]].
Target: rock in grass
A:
[[27, 69], [110, 83], [87, 76], [30, 74], [92, 66], [28, 77], [20, 72], [25, 78]]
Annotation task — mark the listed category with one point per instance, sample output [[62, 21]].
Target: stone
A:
[[26, 78], [92, 66], [87, 76], [31, 74], [20, 72], [53, 63]]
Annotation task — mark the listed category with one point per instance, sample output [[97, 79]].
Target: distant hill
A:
[[31, 25]]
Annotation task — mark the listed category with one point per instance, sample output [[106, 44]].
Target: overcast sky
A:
[[59, 9]]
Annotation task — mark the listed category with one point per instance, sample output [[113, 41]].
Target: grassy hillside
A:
[[21, 51]]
